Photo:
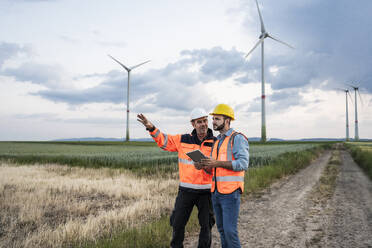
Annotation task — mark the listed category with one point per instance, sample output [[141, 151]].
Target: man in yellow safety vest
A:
[[230, 158]]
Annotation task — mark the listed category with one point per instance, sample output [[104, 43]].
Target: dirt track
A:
[[287, 216]]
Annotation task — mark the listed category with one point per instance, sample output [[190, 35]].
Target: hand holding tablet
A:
[[196, 155]]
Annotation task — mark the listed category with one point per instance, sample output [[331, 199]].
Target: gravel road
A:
[[285, 215]]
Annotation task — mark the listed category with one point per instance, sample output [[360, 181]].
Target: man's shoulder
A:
[[239, 136], [191, 139]]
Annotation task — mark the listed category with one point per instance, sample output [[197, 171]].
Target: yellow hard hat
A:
[[223, 109]]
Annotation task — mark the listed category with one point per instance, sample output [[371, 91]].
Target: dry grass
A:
[[55, 206], [326, 185]]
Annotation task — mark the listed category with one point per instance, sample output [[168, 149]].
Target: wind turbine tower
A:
[[128, 69], [261, 38], [356, 88], [347, 113]]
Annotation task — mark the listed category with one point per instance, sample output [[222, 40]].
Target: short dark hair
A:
[[227, 118]]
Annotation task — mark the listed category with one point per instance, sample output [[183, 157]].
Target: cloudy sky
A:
[[56, 80]]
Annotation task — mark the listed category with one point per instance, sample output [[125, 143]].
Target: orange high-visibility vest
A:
[[226, 181], [190, 177]]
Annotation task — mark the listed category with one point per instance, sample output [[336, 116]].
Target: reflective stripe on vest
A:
[[195, 186], [229, 179], [185, 161]]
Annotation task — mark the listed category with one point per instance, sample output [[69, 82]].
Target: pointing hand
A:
[[141, 118]]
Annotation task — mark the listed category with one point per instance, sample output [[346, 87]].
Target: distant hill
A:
[[331, 139], [103, 139], [250, 139]]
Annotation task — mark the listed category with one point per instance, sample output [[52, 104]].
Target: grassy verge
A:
[[325, 188], [319, 196], [158, 233], [363, 157], [152, 235]]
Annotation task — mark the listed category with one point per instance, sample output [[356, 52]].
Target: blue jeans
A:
[[226, 208]]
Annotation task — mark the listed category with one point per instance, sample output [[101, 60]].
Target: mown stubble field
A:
[[56, 206]]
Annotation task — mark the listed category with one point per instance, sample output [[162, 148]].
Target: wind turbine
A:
[[262, 37], [128, 69], [347, 113], [356, 88]]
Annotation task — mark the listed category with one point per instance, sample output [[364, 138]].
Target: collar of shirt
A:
[[222, 136]]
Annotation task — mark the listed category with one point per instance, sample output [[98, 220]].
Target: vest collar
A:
[[209, 135]]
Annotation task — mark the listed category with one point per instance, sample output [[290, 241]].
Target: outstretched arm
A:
[[165, 141]]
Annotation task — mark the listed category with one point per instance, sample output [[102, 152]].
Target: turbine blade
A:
[[281, 41], [352, 86], [340, 89], [351, 99], [139, 64], [361, 99], [117, 61], [259, 41], [261, 20]]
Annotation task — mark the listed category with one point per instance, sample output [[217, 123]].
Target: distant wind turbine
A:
[[263, 35], [356, 88], [347, 113], [128, 69]]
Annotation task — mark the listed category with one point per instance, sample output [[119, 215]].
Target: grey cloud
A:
[[37, 73], [220, 64], [55, 118], [107, 92], [332, 40], [282, 100], [9, 50], [277, 102], [92, 75], [175, 86], [253, 107], [95, 121]]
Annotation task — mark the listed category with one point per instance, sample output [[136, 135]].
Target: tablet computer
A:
[[196, 155]]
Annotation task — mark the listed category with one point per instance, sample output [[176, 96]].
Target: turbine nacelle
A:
[[128, 69], [264, 35]]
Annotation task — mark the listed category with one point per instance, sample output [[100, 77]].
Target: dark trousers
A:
[[185, 202]]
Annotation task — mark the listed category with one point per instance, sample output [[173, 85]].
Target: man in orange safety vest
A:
[[195, 185]]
